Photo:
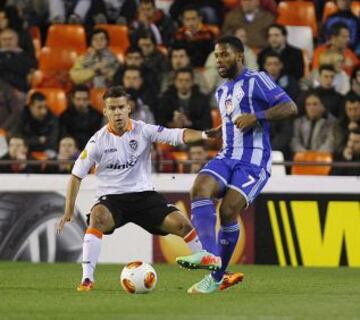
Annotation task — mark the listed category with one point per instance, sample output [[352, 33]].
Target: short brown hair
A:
[[115, 92]]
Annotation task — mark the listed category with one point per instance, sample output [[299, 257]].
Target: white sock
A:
[[193, 242], [91, 252]]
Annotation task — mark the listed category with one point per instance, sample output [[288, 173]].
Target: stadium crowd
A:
[[57, 56]]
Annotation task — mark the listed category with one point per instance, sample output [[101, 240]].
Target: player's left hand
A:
[[245, 121]]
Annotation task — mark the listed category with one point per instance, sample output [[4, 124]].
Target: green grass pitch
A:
[[47, 291]]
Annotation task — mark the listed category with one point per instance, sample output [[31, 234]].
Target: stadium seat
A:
[[216, 117], [56, 59], [277, 170], [298, 13], [180, 157], [311, 156], [96, 98], [55, 98], [231, 4], [119, 35], [67, 36], [301, 37]]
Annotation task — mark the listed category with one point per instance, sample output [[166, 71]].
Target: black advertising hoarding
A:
[[307, 230]]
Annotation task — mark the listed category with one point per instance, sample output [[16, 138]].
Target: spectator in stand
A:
[[183, 105], [315, 129], [180, 58], [39, 126], [332, 100], [133, 79], [274, 67], [152, 20], [10, 19], [349, 122], [68, 150], [198, 154], [211, 10], [15, 64], [115, 12], [198, 37], [211, 73], [341, 80], [253, 19], [80, 120], [18, 150], [350, 154], [291, 57], [11, 106], [339, 37], [154, 60], [96, 68], [139, 110], [134, 58], [346, 16], [62, 11], [355, 80]]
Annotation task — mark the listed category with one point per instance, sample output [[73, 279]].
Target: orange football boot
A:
[[230, 279], [85, 286]]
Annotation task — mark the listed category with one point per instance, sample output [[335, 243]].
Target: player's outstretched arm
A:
[[71, 194]]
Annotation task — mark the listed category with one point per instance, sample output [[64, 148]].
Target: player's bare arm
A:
[[278, 112], [71, 194]]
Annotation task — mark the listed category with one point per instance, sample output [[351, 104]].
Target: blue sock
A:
[[203, 217], [227, 239]]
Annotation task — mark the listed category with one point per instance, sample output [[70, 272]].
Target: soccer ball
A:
[[138, 277]]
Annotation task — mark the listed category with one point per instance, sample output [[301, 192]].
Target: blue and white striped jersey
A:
[[249, 92]]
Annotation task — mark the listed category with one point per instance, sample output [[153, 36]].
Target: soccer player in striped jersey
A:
[[120, 152], [248, 100]]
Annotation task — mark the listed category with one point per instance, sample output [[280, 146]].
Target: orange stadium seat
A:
[[67, 36], [298, 13], [231, 4], [56, 59], [119, 35], [311, 156], [55, 98], [180, 157], [96, 98]]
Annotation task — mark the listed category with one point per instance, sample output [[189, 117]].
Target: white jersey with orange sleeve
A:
[[123, 163]]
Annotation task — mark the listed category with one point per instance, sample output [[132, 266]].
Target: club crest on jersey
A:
[[229, 108], [133, 144]]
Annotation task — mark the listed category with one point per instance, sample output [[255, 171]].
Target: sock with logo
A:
[[228, 236], [203, 217], [91, 252]]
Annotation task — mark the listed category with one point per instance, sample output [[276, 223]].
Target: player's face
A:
[[227, 60], [117, 112]]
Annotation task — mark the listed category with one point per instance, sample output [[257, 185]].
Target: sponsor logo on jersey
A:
[[130, 163], [110, 150], [133, 144]]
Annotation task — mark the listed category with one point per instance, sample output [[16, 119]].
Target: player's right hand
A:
[[61, 223]]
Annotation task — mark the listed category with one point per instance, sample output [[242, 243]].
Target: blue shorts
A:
[[245, 178]]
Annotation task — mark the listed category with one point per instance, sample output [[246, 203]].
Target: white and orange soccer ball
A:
[[138, 277]]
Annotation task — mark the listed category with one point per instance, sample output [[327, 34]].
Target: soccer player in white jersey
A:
[[247, 101], [120, 152]]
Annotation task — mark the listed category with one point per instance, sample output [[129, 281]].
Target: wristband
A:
[[204, 135], [260, 115]]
